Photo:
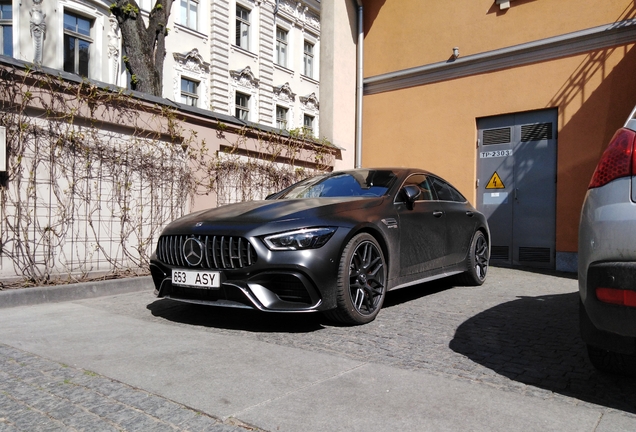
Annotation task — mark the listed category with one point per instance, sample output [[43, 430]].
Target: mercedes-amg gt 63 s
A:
[[334, 243]]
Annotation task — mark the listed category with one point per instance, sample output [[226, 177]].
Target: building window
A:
[[189, 92], [189, 12], [281, 47], [308, 124], [242, 28], [77, 43], [146, 4], [6, 25], [281, 117], [308, 58], [242, 110]]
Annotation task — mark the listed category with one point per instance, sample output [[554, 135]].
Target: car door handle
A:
[[469, 213], [438, 214]]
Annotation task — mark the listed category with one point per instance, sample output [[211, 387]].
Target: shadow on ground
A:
[[535, 341], [268, 322], [235, 319], [532, 340], [414, 292]]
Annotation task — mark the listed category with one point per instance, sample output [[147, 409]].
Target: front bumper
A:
[[279, 281], [281, 291]]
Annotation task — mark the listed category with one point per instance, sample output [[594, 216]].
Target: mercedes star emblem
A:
[[193, 251]]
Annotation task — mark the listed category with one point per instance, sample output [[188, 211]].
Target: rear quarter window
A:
[[446, 192]]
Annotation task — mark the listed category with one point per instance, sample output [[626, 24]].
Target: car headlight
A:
[[309, 238]]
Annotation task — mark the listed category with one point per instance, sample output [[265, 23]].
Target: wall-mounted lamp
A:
[[503, 4], [455, 52]]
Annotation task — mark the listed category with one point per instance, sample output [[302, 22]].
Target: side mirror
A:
[[412, 193]]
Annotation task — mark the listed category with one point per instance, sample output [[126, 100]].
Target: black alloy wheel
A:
[[477, 261], [361, 281]]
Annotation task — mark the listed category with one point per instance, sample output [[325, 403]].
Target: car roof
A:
[[400, 170]]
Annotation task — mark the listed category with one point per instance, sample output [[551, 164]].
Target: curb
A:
[[83, 290]]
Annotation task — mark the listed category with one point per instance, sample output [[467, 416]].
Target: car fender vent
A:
[[288, 287], [219, 252]]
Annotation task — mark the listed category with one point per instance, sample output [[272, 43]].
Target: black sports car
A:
[[334, 243]]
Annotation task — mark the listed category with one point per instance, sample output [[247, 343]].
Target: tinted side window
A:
[[446, 192], [423, 183], [457, 196]]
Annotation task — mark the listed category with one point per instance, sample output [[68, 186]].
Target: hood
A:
[[268, 211]]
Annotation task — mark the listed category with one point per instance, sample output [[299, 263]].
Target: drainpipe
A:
[[359, 85]]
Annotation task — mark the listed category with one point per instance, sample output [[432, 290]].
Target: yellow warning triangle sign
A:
[[495, 182]]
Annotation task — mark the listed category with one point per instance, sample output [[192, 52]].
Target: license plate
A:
[[194, 278]]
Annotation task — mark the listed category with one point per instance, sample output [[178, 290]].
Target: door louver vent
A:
[[536, 132], [534, 254], [497, 136], [499, 253]]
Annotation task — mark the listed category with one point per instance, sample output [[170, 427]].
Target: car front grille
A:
[[219, 252]]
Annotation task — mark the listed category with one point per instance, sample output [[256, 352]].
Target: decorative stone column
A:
[[114, 43], [38, 31]]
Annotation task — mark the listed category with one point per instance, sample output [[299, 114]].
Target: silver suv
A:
[[607, 257]]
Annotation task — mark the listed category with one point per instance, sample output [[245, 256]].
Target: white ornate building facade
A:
[[257, 60]]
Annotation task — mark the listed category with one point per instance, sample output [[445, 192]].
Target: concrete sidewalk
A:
[[244, 381], [83, 290]]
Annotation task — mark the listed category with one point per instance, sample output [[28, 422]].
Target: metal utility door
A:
[[516, 186]]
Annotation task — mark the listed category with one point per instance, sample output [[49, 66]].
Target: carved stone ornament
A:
[[245, 78], [285, 93], [114, 43], [192, 61], [38, 30], [310, 101], [113, 38], [312, 20], [299, 13], [288, 6]]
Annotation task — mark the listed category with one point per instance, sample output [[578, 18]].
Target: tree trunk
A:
[[143, 46]]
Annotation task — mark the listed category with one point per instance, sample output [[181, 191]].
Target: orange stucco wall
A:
[[400, 34], [434, 126]]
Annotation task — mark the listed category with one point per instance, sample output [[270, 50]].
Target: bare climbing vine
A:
[[94, 174]]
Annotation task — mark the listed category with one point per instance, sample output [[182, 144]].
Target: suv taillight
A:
[[618, 159], [616, 296]]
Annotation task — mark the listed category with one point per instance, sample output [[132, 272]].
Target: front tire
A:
[[362, 278], [477, 261]]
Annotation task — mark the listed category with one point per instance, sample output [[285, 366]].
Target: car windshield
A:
[[370, 183]]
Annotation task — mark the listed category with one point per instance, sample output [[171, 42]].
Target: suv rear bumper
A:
[[605, 325]]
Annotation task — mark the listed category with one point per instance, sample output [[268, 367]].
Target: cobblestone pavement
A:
[[518, 332], [41, 395]]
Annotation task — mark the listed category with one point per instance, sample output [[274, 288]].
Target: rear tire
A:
[[361, 285], [477, 261], [612, 362]]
